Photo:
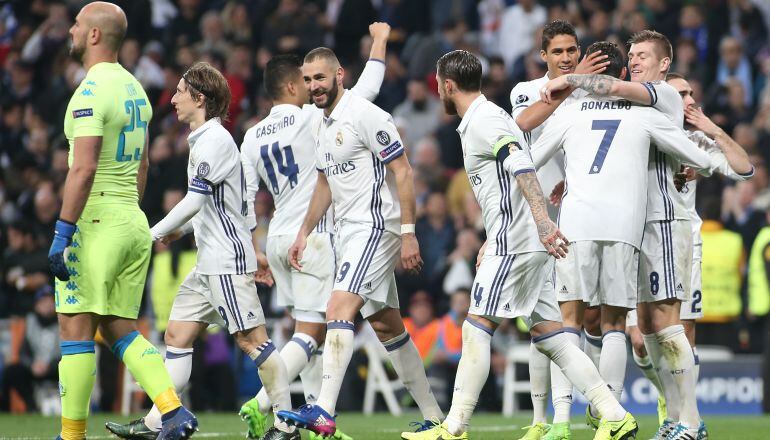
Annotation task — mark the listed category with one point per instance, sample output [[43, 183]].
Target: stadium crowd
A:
[[721, 46]]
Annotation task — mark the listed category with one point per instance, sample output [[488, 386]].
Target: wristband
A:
[[407, 229]]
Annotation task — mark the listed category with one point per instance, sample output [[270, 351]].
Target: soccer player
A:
[[560, 51], [220, 289], [513, 278], [101, 248], [364, 173], [281, 151], [733, 162], [666, 253]]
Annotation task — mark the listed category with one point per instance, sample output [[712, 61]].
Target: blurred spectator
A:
[[421, 52], [436, 235], [235, 18], [418, 116], [747, 24], [462, 261], [46, 204], [426, 160], [213, 35], [693, 27], [393, 89], [291, 30], [25, 267], [349, 20], [517, 31], [183, 29], [686, 61], [496, 85], [38, 357], [741, 215], [734, 64]]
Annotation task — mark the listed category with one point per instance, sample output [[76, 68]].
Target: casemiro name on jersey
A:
[[287, 121], [606, 105]]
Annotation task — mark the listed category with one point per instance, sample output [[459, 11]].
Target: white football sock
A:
[[612, 365], [336, 357], [696, 368], [646, 367], [295, 355], [561, 386], [539, 378], [272, 373], [680, 361], [581, 372], [670, 393], [406, 361], [179, 365], [472, 373], [311, 376], [593, 347]]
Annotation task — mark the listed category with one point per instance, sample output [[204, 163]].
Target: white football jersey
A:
[[221, 231], [606, 143], [718, 164], [353, 145], [523, 95], [280, 150], [507, 217], [664, 202]]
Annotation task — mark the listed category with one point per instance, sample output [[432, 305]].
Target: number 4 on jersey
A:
[[288, 169], [610, 128]]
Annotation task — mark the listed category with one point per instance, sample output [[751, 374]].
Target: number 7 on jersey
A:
[[610, 128]]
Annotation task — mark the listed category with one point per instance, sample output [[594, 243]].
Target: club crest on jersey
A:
[[383, 137], [203, 169], [338, 139], [522, 98]]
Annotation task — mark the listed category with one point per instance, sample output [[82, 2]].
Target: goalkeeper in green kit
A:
[[101, 247]]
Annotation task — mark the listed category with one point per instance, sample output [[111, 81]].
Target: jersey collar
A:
[[474, 105], [192, 137], [340, 107], [281, 107]]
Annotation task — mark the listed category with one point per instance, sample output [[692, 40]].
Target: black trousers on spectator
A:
[[766, 365], [19, 377]]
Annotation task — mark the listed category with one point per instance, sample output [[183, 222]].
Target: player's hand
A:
[[379, 31], [411, 260], [296, 250], [594, 62], [552, 238], [263, 275], [550, 88], [168, 239], [694, 115], [480, 256], [556, 194], [63, 233]]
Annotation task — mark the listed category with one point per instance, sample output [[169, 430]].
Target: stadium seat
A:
[[517, 354]]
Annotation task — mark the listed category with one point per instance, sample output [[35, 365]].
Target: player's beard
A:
[[76, 51], [331, 96], [449, 106]]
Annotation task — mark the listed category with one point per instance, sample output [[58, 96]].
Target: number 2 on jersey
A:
[[610, 128], [135, 116], [288, 169]]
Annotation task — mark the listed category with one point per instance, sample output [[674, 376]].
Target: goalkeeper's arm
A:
[[180, 215]]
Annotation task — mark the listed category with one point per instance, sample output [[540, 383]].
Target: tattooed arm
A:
[[599, 85], [550, 235]]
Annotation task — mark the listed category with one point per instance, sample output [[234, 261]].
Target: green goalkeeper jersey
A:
[[112, 104]]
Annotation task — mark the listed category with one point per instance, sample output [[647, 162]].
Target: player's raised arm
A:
[[368, 84], [672, 140], [737, 158], [516, 161]]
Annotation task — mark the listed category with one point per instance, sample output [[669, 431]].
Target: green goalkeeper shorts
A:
[[107, 262]]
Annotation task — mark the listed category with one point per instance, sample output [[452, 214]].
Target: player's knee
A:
[[638, 345], [384, 331], [176, 337]]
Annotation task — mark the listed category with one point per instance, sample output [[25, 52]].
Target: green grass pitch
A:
[[382, 426]]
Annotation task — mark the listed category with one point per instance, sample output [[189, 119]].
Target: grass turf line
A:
[[381, 426]]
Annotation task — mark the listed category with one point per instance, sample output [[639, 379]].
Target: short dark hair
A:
[[322, 53], [614, 56], [461, 67], [662, 44], [674, 75], [202, 78], [554, 28], [280, 70]]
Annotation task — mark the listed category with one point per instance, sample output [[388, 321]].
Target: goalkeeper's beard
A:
[[77, 52]]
